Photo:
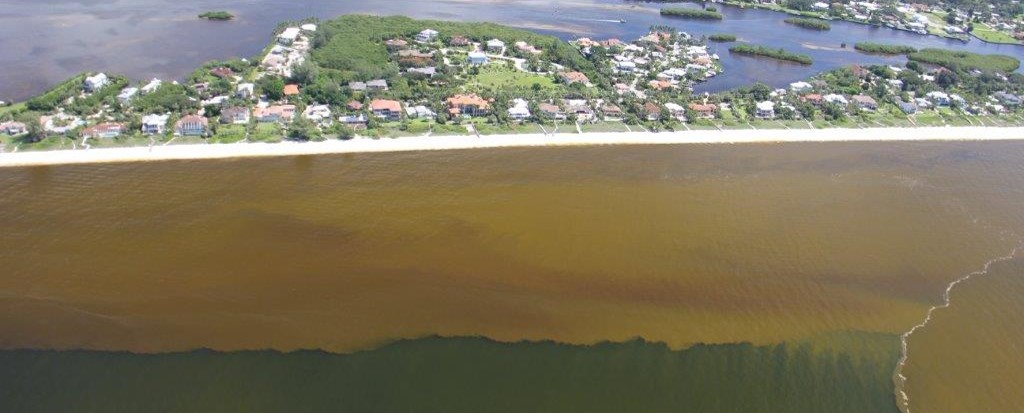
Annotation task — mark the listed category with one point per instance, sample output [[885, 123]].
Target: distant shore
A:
[[422, 143]]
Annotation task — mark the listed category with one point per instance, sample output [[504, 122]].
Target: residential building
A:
[[13, 128], [1008, 99], [317, 113], [419, 112], [151, 87], [396, 44], [223, 72], [377, 85], [495, 46], [813, 98], [676, 111], [704, 110], [573, 77], [581, 111], [354, 121], [937, 97], [800, 87], [291, 90], [458, 41], [765, 110], [154, 124], [908, 108], [865, 102], [191, 125], [651, 111], [836, 99], [426, 36], [477, 58], [357, 86], [237, 115], [354, 105], [390, 110], [519, 110], [245, 90], [96, 82], [611, 112], [127, 94], [275, 113], [429, 71], [551, 111], [467, 105], [104, 131], [289, 35]]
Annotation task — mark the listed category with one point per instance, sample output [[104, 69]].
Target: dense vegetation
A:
[[217, 15], [457, 375], [351, 47], [58, 94], [955, 59], [722, 37], [691, 13], [881, 48], [814, 24], [780, 54]]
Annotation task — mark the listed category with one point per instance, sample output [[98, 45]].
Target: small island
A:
[[691, 13], [722, 37], [813, 24], [779, 54], [217, 15], [882, 48]]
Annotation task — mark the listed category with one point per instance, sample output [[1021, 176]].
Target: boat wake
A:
[[903, 400]]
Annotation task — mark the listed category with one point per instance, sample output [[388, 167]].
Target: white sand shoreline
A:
[[421, 143]]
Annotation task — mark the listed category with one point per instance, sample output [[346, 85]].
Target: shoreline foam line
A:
[[424, 143], [903, 401]]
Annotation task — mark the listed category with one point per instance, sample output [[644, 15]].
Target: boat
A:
[[623, 21]]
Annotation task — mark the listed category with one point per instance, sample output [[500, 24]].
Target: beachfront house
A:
[[103, 130], [95, 82], [651, 111], [419, 112], [908, 108], [235, 115], [765, 110], [676, 111], [426, 36], [519, 110], [154, 124], [275, 113], [580, 110], [289, 35], [354, 121], [611, 112], [13, 128], [704, 110], [800, 87], [865, 102], [551, 111], [476, 58], [389, 110], [938, 98], [467, 105], [1008, 99], [191, 125], [321, 114]]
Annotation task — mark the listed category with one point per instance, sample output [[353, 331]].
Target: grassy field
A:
[[984, 32], [502, 74]]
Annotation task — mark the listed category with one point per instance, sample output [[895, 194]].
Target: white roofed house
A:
[[151, 87], [154, 124], [289, 35], [476, 58], [422, 71], [765, 110], [236, 115], [245, 90], [836, 99], [95, 82], [519, 110], [377, 85], [939, 98], [676, 110], [800, 87], [320, 114], [127, 94], [419, 112], [495, 46], [426, 36]]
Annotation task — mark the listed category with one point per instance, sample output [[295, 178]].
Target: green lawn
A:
[[603, 127], [229, 134], [267, 132], [988, 34], [499, 75]]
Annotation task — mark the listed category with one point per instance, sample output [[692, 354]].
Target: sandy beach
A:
[[240, 150]]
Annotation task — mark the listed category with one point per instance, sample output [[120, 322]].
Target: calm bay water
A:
[[47, 41], [820, 255]]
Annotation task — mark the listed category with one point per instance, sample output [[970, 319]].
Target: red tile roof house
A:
[[354, 105], [813, 98], [291, 90], [13, 128], [390, 110], [103, 130], [651, 111], [191, 125], [865, 102], [277, 113], [222, 72], [573, 77], [704, 110], [468, 105]]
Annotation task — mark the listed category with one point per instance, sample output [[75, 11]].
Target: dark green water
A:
[[454, 375]]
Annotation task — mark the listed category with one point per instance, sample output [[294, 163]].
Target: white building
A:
[[939, 98], [245, 90], [477, 58], [154, 124], [289, 35], [317, 113], [495, 46], [837, 99], [419, 111], [426, 36], [520, 110], [800, 87], [765, 110], [127, 94], [96, 82], [152, 86]]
